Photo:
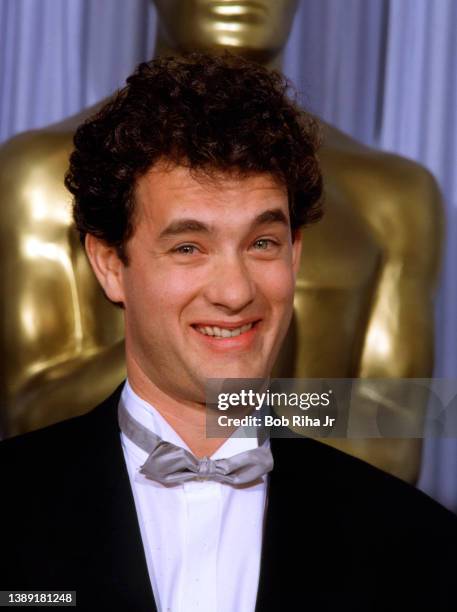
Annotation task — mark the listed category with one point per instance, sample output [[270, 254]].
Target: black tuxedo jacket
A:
[[339, 534]]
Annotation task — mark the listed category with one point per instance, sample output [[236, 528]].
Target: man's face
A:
[[255, 28], [208, 291]]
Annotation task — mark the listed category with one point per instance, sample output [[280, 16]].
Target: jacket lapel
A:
[[305, 563], [294, 551], [279, 498], [113, 552]]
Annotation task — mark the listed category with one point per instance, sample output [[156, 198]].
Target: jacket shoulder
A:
[[40, 451], [360, 488]]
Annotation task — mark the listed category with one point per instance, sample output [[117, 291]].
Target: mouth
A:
[[225, 335], [223, 331]]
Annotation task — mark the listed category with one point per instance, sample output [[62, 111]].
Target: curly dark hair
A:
[[209, 113]]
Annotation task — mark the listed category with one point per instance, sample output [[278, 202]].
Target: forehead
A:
[[168, 191]]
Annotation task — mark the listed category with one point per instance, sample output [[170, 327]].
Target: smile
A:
[[222, 332]]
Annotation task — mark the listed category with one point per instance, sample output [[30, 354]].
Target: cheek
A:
[[176, 291], [162, 292], [278, 284]]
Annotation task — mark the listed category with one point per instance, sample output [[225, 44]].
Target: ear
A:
[[296, 251], [107, 267]]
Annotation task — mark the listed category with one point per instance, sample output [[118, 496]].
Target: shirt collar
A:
[[151, 418]]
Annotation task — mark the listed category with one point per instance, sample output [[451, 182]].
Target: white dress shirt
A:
[[202, 540]]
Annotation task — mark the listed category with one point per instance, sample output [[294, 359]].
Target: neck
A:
[[188, 419], [162, 48]]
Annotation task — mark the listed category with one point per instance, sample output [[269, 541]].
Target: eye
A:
[[185, 249], [263, 244]]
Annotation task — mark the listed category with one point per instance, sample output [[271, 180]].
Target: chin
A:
[[239, 372]]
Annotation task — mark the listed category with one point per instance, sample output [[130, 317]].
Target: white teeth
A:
[[221, 332]]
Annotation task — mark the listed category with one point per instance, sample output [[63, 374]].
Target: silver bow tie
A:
[[170, 464]]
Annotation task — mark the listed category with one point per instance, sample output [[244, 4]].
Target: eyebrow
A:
[[274, 215], [181, 226]]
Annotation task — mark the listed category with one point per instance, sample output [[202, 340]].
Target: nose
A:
[[232, 285]]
